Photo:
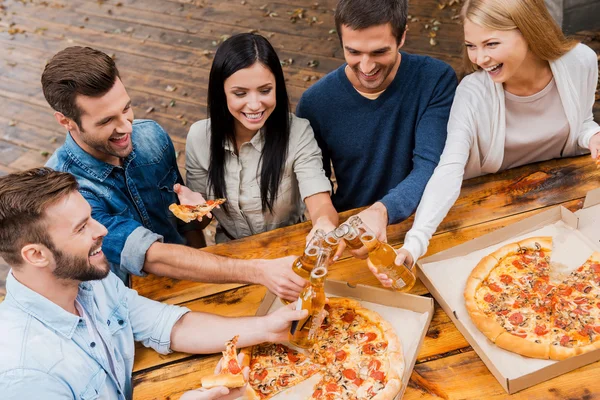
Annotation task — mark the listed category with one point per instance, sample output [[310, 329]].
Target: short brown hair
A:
[[532, 18], [77, 71], [362, 14], [24, 198]]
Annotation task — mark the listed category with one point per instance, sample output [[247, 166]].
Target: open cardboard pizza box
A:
[[410, 316], [575, 237]]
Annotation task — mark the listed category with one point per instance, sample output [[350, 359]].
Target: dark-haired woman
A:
[[252, 151]]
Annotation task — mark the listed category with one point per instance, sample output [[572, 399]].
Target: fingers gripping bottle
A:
[[306, 262], [382, 255], [303, 333]]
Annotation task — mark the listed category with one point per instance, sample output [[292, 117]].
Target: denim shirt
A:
[[47, 352], [132, 200]]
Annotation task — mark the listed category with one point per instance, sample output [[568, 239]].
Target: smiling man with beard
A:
[[380, 118], [68, 323], [127, 171]]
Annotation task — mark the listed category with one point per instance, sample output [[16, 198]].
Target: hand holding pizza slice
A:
[[230, 371], [189, 213]]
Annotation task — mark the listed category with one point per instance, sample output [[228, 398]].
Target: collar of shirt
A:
[[42, 309], [97, 168], [257, 142]]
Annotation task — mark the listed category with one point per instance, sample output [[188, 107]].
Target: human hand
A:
[[219, 392], [403, 256], [595, 148], [376, 219], [277, 275], [326, 226], [187, 196], [277, 324]]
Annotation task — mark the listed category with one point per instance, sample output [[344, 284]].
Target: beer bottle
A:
[[331, 241], [351, 231], [382, 255], [303, 333]]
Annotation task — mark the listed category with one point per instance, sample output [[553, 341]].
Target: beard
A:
[[79, 268]]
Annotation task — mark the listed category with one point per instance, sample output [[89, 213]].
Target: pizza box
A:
[[410, 316], [575, 237]]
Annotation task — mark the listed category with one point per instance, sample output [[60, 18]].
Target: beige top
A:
[[537, 128], [303, 176]]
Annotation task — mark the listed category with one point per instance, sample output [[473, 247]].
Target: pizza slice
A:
[[231, 372], [267, 382], [188, 213]]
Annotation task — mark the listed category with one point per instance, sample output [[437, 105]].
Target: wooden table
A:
[[447, 367]]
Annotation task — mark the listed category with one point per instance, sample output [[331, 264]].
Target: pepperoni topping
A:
[[595, 268], [348, 316], [540, 330], [518, 264], [332, 387], [371, 336], [598, 304], [502, 312], [261, 375], [327, 307], [517, 304], [580, 286], [566, 291], [580, 300], [374, 365], [283, 380], [368, 348], [358, 381], [540, 309], [495, 287], [340, 355], [559, 323], [506, 279], [586, 330], [489, 298], [349, 374], [596, 329], [234, 367], [377, 375], [293, 357], [317, 393], [542, 254], [565, 340], [516, 318]]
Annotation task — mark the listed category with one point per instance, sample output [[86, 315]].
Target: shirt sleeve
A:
[[151, 321], [430, 136], [443, 188], [303, 111], [196, 174], [24, 383], [127, 241], [308, 164], [589, 127]]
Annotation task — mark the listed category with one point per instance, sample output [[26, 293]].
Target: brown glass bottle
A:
[[303, 333], [382, 256], [351, 231]]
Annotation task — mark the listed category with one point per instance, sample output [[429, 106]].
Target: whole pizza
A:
[[512, 299], [357, 354]]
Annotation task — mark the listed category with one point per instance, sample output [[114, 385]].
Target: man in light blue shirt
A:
[[68, 323]]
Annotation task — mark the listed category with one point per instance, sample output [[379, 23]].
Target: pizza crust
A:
[[542, 242], [487, 325], [522, 346], [559, 352], [390, 390], [483, 268], [505, 251]]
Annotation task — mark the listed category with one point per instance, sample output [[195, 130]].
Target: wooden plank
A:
[[464, 376]]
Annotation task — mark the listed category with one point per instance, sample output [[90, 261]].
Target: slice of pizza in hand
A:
[[230, 374], [188, 213]]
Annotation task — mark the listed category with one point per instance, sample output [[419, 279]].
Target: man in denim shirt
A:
[[68, 323], [127, 171]]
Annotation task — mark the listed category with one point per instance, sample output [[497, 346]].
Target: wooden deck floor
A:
[[164, 48]]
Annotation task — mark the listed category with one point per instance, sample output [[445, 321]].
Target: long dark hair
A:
[[236, 53]]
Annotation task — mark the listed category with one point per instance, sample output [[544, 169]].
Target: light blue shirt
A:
[[48, 353]]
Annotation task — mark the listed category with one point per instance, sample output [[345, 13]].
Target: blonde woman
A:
[[529, 98]]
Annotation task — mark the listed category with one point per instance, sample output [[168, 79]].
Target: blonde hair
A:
[[531, 17]]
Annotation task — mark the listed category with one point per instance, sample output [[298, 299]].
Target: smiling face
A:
[[501, 54], [372, 55], [77, 240], [106, 125], [251, 99]]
